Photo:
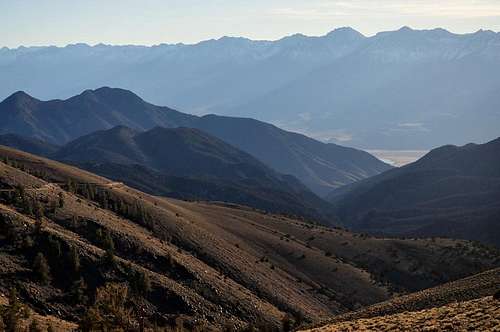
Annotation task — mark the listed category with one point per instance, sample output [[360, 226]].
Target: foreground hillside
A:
[[462, 305], [474, 315], [204, 263], [69, 239], [319, 166], [452, 191]]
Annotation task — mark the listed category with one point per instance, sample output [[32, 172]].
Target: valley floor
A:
[[398, 157]]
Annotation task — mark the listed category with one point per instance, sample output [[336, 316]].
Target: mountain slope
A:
[[320, 166], [31, 145], [452, 191], [380, 92], [464, 295], [189, 164], [208, 263]]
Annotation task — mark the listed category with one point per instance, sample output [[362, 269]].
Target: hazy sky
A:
[[60, 22]]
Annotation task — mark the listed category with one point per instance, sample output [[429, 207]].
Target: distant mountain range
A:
[[404, 89], [322, 167], [452, 191]]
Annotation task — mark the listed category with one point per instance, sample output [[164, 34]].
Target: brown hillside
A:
[[216, 263], [474, 315], [470, 288]]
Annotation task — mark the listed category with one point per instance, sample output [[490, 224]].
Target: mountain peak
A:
[[405, 29], [345, 32], [108, 94], [20, 98]]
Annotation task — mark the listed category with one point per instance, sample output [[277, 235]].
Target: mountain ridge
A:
[[451, 191], [329, 87], [319, 166]]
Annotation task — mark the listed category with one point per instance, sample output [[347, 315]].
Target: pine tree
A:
[[39, 226], [140, 283], [18, 196], [61, 200], [74, 261], [41, 269], [108, 241], [109, 246], [109, 257], [38, 210], [287, 323], [70, 186], [13, 314], [78, 292], [54, 247], [28, 205], [91, 191], [28, 242]]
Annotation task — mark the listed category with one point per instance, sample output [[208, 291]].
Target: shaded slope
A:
[[187, 163], [31, 145], [451, 191], [230, 264], [320, 166]]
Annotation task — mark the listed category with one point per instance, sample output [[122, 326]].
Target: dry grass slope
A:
[[481, 314], [217, 263]]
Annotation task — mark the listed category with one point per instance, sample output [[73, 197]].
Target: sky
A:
[[148, 22]]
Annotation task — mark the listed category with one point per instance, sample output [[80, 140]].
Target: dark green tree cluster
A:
[[107, 243], [71, 186], [108, 201], [88, 191], [139, 283], [111, 310], [12, 163], [11, 314]]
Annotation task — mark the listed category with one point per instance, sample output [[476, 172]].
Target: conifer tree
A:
[[41, 269], [61, 200], [74, 261], [38, 210], [78, 292], [13, 314]]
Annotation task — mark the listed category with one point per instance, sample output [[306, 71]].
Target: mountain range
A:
[[321, 167], [451, 191], [404, 89]]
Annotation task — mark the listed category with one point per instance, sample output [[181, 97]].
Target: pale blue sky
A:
[[60, 22]]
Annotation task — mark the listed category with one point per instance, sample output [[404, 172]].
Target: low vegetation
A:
[[99, 254]]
